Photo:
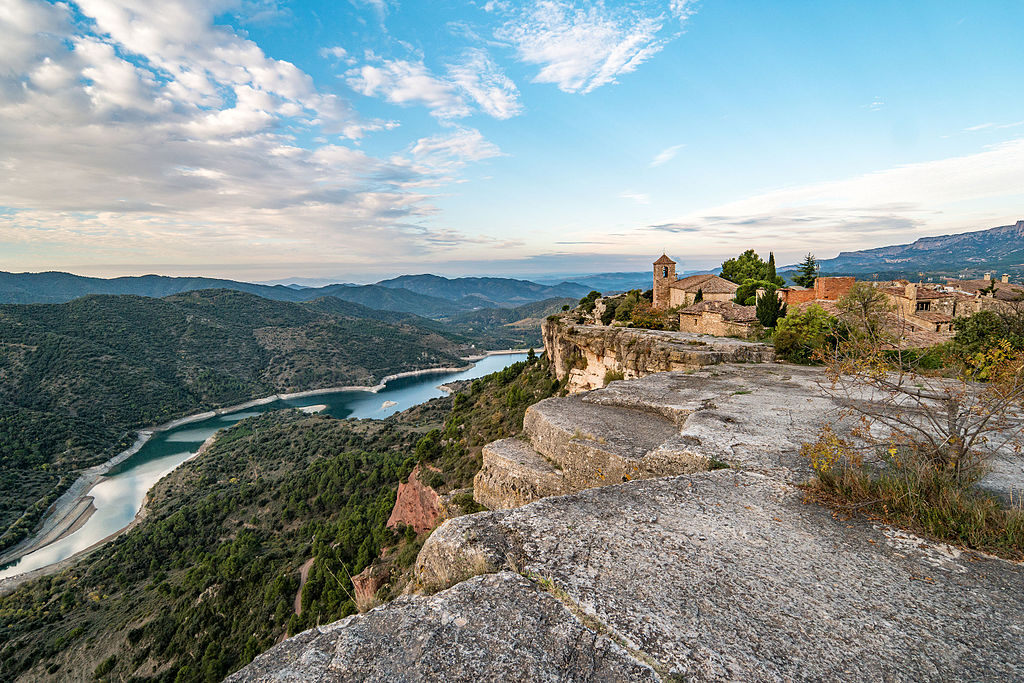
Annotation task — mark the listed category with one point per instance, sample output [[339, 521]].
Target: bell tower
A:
[[664, 275]]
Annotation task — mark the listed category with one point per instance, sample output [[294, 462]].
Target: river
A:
[[118, 496]]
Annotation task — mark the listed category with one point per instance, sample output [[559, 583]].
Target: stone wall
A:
[[708, 322]]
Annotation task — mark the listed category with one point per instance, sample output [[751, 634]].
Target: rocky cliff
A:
[[587, 354], [416, 505], [716, 575]]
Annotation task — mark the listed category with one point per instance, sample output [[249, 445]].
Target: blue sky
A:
[[352, 140]]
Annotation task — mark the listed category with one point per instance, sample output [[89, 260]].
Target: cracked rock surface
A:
[[728, 575], [498, 627]]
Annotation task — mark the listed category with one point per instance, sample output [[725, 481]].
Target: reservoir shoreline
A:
[[70, 511]]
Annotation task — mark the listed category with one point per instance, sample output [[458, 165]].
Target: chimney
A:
[[910, 291], [988, 277], [1005, 279]]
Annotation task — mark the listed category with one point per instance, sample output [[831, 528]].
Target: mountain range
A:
[[425, 295], [965, 255]]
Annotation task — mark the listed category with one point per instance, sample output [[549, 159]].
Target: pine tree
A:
[[700, 296], [769, 309], [808, 272]]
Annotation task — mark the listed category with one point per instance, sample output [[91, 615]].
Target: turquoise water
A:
[[118, 496]]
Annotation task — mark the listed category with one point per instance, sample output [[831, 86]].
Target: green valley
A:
[[209, 578], [77, 378]]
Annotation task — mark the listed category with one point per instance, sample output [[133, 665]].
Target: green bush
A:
[[747, 292], [799, 335]]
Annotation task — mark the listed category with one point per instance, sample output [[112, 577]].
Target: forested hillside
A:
[[210, 577], [75, 378]]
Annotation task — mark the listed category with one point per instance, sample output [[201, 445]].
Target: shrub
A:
[[748, 290], [799, 336], [588, 302], [921, 442], [613, 376]]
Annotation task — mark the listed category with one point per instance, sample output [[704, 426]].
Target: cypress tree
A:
[[769, 309], [700, 296], [771, 267]]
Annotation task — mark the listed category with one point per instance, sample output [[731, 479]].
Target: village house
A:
[[719, 318], [670, 291], [1006, 294]]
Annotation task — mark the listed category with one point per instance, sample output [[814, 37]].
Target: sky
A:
[[351, 140]]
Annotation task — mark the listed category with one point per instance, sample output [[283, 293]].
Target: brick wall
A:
[[832, 288], [791, 297]]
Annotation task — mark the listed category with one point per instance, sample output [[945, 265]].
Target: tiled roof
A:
[[729, 310], [1007, 291], [710, 284], [664, 261], [923, 293]]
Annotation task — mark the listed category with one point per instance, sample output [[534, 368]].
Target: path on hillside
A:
[[303, 573]]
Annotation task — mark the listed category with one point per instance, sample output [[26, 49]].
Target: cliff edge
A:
[[595, 565]]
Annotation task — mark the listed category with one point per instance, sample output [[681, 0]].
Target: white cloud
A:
[[447, 153], [638, 197], [474, 79], [144, 133], [337, 52], [580, 47], [482, 80], [666, 155], [404, 83], [888, 206]]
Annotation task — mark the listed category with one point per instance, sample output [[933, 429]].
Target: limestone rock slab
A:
[[498, 627], [728, 575], [514, 474]]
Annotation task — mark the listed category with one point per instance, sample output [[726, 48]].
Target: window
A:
[[923, 305], [664, 271]]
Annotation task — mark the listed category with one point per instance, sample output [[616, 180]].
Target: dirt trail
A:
[[303, 573]]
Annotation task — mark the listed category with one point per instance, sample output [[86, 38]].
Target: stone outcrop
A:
[[717, 575], [729, 575], [366, 583], [417, 505], [499, 627], [585, 354]]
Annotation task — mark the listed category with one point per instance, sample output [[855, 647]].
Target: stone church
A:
[[670, 291]]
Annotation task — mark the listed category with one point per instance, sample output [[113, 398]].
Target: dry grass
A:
[[908, 490]]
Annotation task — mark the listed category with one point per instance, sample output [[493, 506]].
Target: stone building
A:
[[669, 291], [719, 318], [824, 289]]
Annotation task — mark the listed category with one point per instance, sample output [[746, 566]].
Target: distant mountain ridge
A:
[[424, 295], [489, 291], [966, 254]]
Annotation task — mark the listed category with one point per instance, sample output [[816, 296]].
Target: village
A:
[[917, 314]]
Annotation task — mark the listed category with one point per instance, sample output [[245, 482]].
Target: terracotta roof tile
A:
[[710, 284]]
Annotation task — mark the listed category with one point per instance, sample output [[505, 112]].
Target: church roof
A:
[[664, 261], [708, 283]]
